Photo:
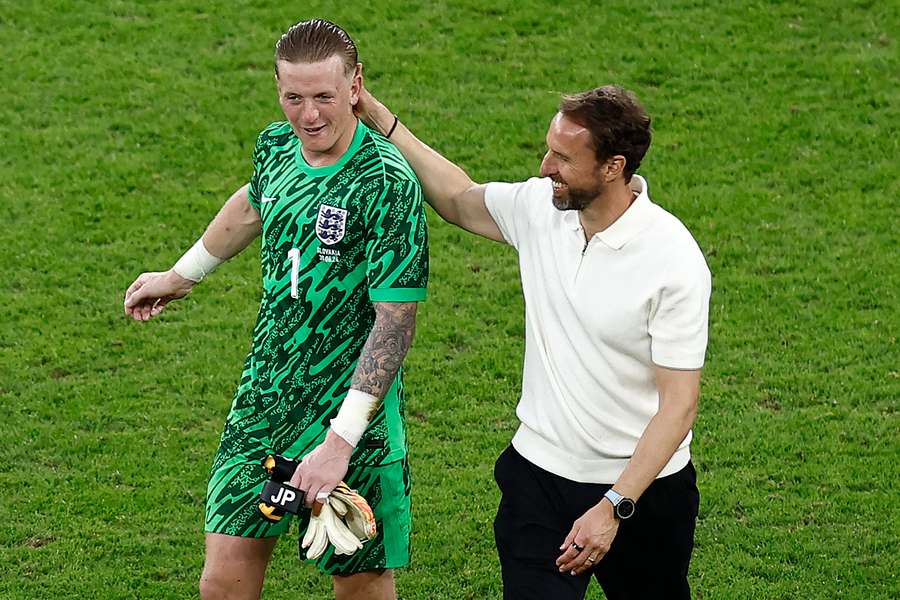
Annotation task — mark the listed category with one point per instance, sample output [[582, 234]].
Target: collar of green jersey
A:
[[304, 166]]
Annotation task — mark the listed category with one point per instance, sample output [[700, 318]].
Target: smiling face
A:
[[571, 162], [318, 99]]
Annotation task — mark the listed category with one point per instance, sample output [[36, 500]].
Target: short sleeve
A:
[[397, 244], [679, 317], [255, 190], [267, 143], [512, 205]]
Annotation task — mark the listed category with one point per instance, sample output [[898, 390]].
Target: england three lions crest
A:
[[331, 224]]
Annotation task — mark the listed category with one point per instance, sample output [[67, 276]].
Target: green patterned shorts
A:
[[237, 478]]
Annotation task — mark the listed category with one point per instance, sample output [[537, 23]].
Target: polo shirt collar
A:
[[634, 220]]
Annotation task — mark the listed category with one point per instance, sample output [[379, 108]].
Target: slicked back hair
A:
[[313, 41], [618, 123]]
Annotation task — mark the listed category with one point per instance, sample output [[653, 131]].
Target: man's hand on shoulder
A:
[[149, 294]]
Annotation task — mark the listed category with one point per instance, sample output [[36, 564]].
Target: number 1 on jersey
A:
[[294, 256]]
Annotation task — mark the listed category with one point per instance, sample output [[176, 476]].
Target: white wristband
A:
[[353, 417], [197, 262]]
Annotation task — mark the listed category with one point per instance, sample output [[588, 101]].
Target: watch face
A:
[[625, 508]]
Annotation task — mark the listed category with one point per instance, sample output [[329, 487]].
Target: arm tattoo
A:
[[387, 344]]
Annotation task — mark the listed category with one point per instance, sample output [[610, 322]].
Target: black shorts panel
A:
[[648, 559]]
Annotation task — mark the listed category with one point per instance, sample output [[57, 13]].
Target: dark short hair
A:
[[316, 40], [617, 122]]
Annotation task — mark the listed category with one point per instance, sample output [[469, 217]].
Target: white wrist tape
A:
[[197, 262], [353, 418]]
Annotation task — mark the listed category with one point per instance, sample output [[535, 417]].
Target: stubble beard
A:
[[576, 199]]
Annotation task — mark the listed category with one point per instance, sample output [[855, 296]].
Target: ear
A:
[[614, 168], [356, 84]]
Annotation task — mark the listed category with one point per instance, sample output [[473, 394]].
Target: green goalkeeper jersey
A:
[[335, 239]]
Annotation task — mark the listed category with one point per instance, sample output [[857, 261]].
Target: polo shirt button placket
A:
[[583, 256]]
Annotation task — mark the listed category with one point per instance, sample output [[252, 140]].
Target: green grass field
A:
[[126, 124]]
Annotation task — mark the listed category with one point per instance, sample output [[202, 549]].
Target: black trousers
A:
[[648, 559]]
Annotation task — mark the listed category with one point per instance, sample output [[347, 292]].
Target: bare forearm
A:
[[659, 442], [385, 348], [233, 228], [441, 180], [449, 191], [678, 395]]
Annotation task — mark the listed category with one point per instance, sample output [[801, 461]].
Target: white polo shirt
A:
[[597, 320]]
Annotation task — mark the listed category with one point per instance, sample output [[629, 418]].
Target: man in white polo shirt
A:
[[598, 479]]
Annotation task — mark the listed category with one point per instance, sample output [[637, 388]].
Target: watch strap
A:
[[613, 496]]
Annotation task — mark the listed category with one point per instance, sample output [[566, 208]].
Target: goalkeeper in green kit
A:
[[344, 262]]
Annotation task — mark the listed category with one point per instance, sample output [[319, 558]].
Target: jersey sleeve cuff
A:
[[494, 194], [678, 361], [397, 294]]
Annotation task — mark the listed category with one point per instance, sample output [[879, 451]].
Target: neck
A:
[[333, 154], [606, 208]]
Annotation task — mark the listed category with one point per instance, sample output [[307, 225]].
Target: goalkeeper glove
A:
[[344, 519], [355, 511]]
